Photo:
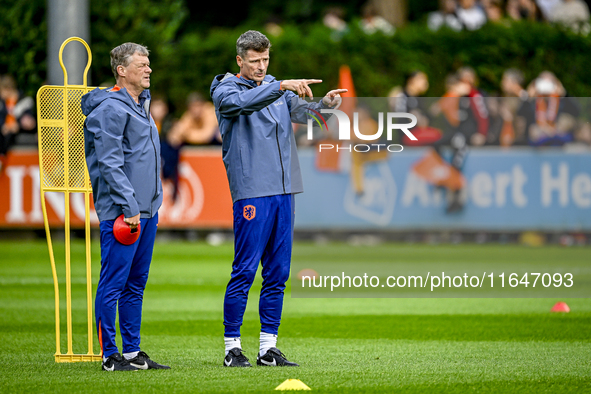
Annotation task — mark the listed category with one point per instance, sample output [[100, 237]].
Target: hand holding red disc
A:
[[124, 233]]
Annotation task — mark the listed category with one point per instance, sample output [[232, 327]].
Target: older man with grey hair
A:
[[123, 157]]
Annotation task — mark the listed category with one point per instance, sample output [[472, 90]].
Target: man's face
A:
[[254, 65], [450, 6], [137, 73], [422, 83], [507, 84], [196, 109], [158, 109], [467, 4], [468, 77]]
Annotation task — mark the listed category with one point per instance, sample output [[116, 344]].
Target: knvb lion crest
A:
[[250, 212]]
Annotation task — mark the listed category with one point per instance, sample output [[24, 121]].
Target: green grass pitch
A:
[[343, 345]]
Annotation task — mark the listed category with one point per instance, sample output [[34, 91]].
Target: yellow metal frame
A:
[[62, 168]]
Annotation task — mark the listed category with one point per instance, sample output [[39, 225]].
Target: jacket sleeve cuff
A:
[[279, 86], [131, 211]]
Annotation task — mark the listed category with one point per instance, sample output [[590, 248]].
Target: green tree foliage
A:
[[379, 62], [153, 23], [23, 42], [186, 60]]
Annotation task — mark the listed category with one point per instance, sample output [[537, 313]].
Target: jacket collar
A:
[[239, 79]]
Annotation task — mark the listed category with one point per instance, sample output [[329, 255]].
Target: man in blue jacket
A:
[[255, 112], [123, 157]]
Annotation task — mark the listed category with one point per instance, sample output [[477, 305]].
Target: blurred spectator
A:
[[555, 113], [471, 15], [445, 17], [515, 109], [367, 126], [170, 155], [583, 135], [536, 88], [573, 14], [546, 7], [372, 22], [161, 114], [522, 9], [476, 112], [273, 26], [197, 126], [333, 19], [494, 10], [512, 84], [16, 115], [404, 98], [449, 104], [467, 124]]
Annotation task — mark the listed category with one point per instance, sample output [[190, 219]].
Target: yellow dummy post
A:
[[62, 168]]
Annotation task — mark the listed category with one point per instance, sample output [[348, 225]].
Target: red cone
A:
[[307, 272], [560, 307], [123, 232]]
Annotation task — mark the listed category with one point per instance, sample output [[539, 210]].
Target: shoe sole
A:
[[119, 370], [278, 365]]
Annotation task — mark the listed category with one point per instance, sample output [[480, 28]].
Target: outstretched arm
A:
[[300, 108], [231, 101], [300, 86]]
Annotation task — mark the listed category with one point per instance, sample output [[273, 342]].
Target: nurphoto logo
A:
[[344, 134]]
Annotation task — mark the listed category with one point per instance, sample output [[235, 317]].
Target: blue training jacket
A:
[[122, 153], [258, 148]]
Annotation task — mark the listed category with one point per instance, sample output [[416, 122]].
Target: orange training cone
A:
[[560, 307], [307, 272], [346, 82]]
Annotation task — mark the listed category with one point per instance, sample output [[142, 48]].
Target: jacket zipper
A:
[[155, 161], [279, 149]]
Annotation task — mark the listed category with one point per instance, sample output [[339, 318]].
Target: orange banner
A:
[[204, 199]]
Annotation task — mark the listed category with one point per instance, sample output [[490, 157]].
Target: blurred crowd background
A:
[[519, 63]]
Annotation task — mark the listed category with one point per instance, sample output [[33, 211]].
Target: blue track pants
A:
[[123, 278], [263, 232]]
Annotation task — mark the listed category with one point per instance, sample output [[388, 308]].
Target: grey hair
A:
[[254, 40], [120, 56], [514, 74]]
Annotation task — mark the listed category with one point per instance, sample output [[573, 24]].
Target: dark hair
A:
[[254, 40], [411, 75], [195, 97]]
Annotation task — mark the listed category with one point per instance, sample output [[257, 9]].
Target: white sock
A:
[[105, 358], [231, 343], [267, 342], [129, 356]]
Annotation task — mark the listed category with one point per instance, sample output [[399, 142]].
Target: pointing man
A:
[[254, 112]]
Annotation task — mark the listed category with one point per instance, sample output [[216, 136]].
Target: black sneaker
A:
[[142, 361], [115, 362], [236, 358], [274, 358]]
